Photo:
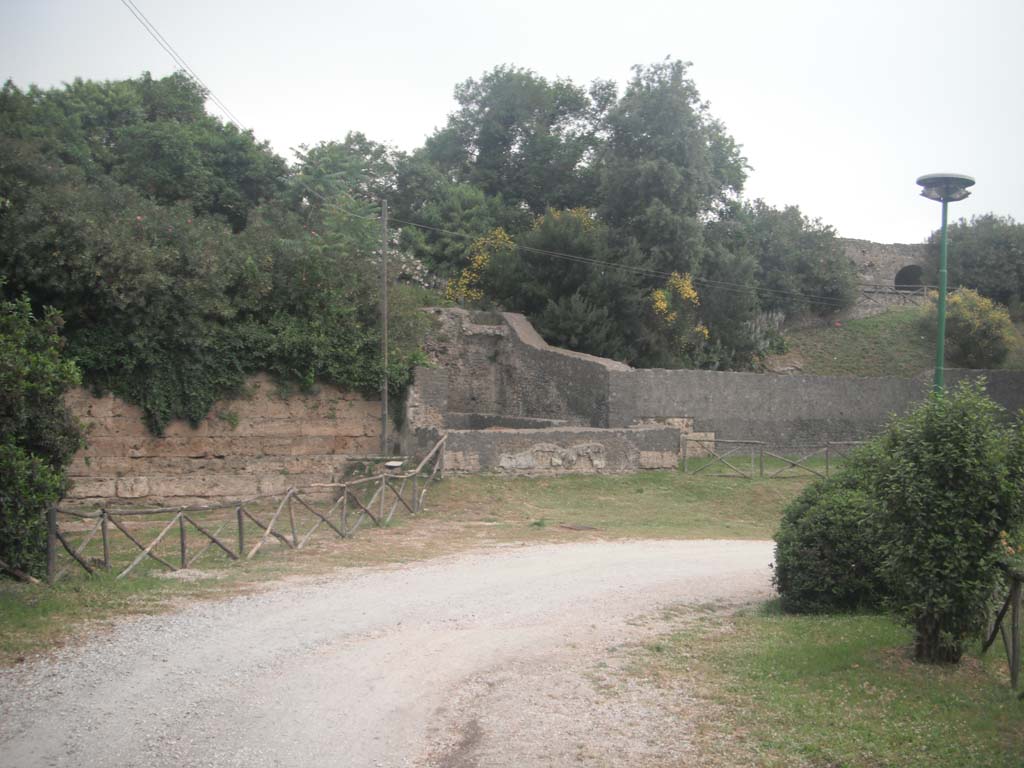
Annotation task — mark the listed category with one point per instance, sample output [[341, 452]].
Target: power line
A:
[[647, 271], [724, 285], [179, 60]]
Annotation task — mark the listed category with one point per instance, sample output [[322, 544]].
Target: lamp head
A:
[[945, 187]]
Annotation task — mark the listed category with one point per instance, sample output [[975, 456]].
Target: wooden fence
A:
[[238, 529], [1011, 636], [756, 458]]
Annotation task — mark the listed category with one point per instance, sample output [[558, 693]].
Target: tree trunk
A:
[[928, 645]]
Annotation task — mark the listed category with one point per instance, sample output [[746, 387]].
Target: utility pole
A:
[[384, 327]]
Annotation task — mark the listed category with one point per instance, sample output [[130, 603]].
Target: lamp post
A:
[[944, 188]]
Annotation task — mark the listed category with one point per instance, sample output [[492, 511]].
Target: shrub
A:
[[37, 434], [28, 486], [978, 330], [826, 550], [949, 480]]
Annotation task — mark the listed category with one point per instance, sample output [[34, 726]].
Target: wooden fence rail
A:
[[373, 498], [730, 458]]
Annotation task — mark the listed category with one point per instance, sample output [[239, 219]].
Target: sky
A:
[[838, 106]]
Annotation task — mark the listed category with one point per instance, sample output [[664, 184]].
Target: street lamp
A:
[[944, 188]]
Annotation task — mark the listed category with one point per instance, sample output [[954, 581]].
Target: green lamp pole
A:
[[944, 188]]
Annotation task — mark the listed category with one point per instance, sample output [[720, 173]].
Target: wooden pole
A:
[[18, 573], [51, 544], [184, 541], [241, 530], [291, 519], [1015, 632], [384, 327], [383, 489], [105, 534]]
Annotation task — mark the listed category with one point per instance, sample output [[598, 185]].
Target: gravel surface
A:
[[500, 658]]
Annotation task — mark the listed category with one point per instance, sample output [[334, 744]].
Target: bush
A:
[[978, 330], [949, 480], [28, 486], [827, 549], [37, 434]]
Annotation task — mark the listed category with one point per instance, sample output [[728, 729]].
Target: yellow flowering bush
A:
[[675, 306], [978, 330], [468, 288]]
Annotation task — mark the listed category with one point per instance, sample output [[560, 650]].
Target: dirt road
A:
[[471, 660]]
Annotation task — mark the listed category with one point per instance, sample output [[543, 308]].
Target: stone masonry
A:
[[258, 444]]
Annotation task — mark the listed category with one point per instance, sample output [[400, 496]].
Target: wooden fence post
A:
[[241, 531], [1015, 585], [828, 447], [105, 535], [51, 544], [184, 541], [291, 518], [686, 452], [383, 489]]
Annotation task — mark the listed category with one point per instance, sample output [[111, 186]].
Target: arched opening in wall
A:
[[909, 278]]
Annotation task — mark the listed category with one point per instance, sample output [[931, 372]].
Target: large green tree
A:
[[521, 136], [985, 254], [153, 135], [666, 166]]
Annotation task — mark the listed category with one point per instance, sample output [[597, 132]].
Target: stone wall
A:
[[782, 410], [259, 444], [878, 263], [547, 451], [498, 364], [518, 381]]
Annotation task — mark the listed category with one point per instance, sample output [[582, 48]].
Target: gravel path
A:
[[470, 660]]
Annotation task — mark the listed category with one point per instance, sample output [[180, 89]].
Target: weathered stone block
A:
[[92, 487], [133, 487], [658, 460]]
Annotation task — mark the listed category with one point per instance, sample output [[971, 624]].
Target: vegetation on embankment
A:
[[889, 344]]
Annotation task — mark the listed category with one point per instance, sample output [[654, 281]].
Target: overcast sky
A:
[[838, 106]]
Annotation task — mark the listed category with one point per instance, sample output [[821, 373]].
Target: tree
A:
[[985, 254], [171, 309], [153, 135], [523, 137], [591, 303], [38, 436], [667, 164], [800, 266]]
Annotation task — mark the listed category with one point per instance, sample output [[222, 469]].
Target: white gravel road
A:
[[469, 660]]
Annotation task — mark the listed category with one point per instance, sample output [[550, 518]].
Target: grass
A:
[[646, 505], [827, 691], [889, 344], [462, 513]]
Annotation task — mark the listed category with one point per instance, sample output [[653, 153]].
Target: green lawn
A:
[[839, 691]]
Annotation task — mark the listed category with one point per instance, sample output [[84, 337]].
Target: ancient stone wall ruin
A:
[[542, 409], [261, 443], [880, 263]]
